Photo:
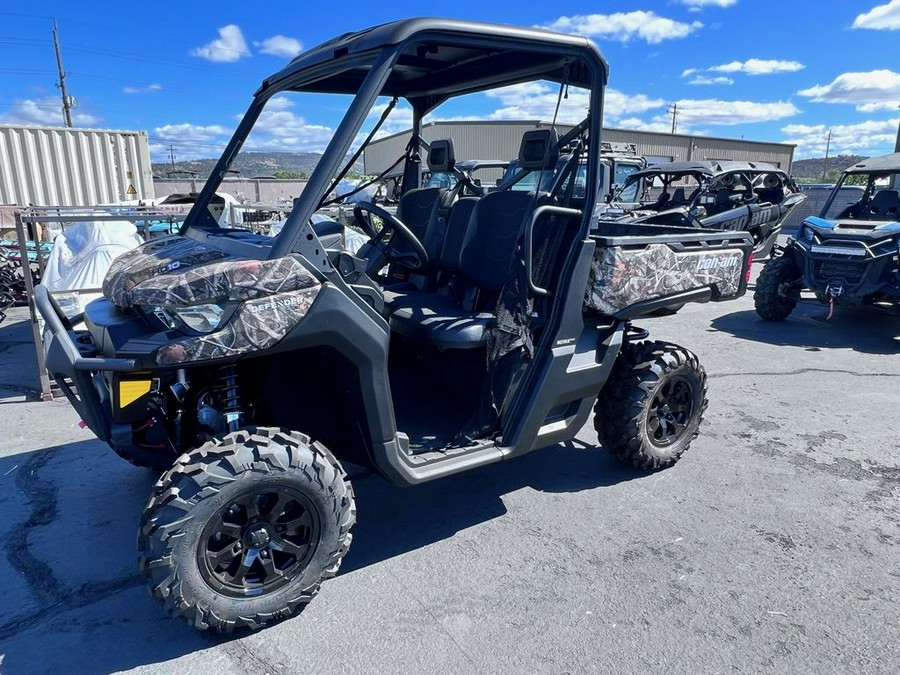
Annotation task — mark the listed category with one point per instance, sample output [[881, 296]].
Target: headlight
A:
[[200, 318], [806, 233], [197, 318]]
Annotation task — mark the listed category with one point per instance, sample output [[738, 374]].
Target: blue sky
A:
[[184, 72]]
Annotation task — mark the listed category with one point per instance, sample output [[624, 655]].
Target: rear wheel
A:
[[243, 530], [651, 408], [777, 289]]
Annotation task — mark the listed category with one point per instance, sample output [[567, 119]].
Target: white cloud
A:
[[190, 132], [279, 129], [142, 90], [45, 112], [280, 45], [866, 138], [711, 111], [624, 27], [537, 101], [696, 5], [230, 46], [689, 71], [874, 90], [618, 103], [882, 17], [758, 67], [400, 119], [658, 124], [878, 106], [703, 79], [695, 114]]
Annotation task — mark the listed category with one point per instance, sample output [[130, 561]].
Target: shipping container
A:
[[59, 166]]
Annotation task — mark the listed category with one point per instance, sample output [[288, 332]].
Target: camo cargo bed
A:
[[640, 268]]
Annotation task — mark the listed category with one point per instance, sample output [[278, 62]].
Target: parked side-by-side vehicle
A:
[[849, 254], [251, 370]]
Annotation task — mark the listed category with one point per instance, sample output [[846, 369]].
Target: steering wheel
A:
[[415, 260]]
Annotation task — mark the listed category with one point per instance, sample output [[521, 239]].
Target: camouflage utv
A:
[[251, 370]]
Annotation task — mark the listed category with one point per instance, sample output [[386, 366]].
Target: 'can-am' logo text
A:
[[717, 263]]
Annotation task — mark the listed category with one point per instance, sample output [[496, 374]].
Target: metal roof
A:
[[884, 163], [705, 168], [441, 58]]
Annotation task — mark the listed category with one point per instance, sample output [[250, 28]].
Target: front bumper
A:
[[850, 280], [73, 361]]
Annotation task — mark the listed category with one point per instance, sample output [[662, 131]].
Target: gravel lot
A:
[[773, 546]]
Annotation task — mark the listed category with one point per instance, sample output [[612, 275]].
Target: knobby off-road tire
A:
[[243, 530], [772, 300], [652, 406]]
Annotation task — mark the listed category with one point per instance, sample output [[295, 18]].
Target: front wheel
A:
[[243, 530], [777, 289], [652, 406]]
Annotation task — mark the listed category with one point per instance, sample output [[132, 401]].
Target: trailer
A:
[[51, 166]]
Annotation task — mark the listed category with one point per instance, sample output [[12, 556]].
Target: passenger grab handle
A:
[[529, 235]]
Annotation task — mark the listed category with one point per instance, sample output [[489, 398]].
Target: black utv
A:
[[250, 370], [849, 255]]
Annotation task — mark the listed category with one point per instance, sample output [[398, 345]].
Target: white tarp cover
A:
[[81, 257]]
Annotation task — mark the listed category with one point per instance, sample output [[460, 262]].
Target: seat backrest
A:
[[498, 219], [678, 197], [419, 209], [884, 205], [490, 241], [457, 226]]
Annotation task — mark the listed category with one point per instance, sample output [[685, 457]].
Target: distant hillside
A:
[[810, 170], [249, 164]]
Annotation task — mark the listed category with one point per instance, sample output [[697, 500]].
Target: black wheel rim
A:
[[259, 542], [670, 411]]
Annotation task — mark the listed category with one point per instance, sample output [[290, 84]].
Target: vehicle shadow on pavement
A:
[[862, 330], [394, 520], [68, 524], [73, 599]]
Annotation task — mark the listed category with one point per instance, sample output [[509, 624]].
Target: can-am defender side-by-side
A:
[[251, 369], [726, 195], [849, 255]]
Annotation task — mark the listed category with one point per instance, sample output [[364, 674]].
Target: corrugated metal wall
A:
[[500, 140], [47, 166], [471, 140]]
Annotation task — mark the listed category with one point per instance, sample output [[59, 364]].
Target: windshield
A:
[[442, 179], [865, 196], [332, 100], [629, 192]]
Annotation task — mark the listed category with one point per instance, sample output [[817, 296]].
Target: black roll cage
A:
[[385, 64]]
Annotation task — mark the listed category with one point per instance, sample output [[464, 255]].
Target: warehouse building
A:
[[500, 140]]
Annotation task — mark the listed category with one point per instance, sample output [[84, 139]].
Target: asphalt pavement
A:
[[773, 546]]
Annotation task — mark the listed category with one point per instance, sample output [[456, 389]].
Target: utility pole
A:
[[827, 148], [172, 156], [66, 99], [673, 111]]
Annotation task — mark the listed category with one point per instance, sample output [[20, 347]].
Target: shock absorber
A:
[[230, 396]]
